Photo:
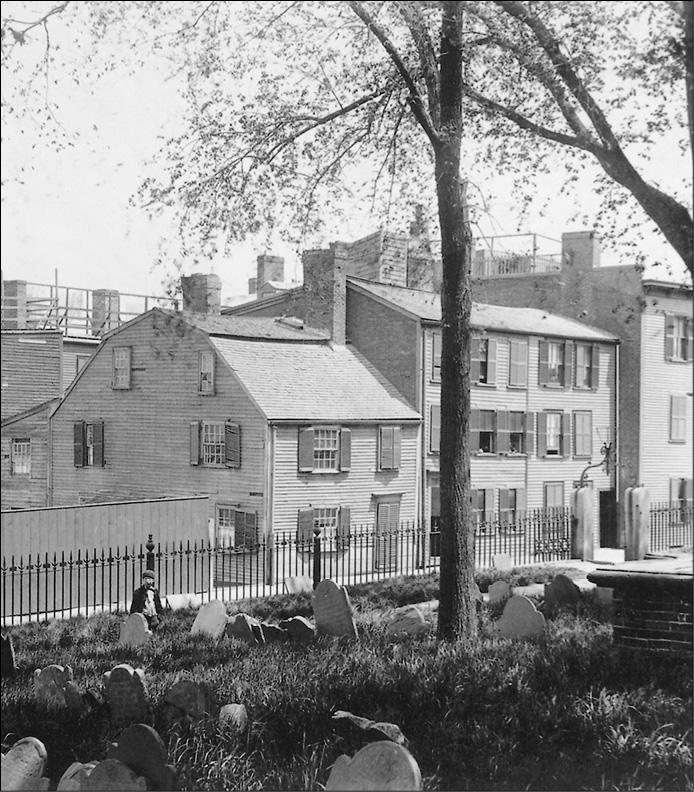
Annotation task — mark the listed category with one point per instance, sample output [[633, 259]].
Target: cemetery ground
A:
[[564, 710]]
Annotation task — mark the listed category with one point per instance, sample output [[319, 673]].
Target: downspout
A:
[[421, 444], [49, 461], [269, 500]]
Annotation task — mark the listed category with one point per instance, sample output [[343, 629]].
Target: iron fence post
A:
[[316, 557], [149, 563]]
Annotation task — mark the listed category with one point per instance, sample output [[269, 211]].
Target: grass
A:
[[565, 711]]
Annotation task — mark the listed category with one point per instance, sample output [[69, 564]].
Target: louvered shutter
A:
[[435, 429], [568, 363], [520, 505], [595, 367], [98, 430], [489, 512], [474, 431], [78, 443], [566, 434], [542, 434], [669, 336], [543, 352], [343, 528], [386, 448], [195, 443], [491, 361], [245, 530], [503, 431], [345, 449], [529, 433], [397, 446], [305, 526], [232, 445], [436, 356], [504, 517], [305, 450], [475, 344]]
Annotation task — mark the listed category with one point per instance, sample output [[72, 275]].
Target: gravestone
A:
[[23, 766], [298, 584], [273, 633], [77, 699], [9, 660], [561, 594], [502, 561], [176, 602], [211, 619], [235, 715], [332, 610], [134, 631], [499, 592], [141, 748], [406, 621], [125, 693], [520, 619], [299, 629], [390, 730], [113, 776], [188, 700], [49, 685], [381, 765], [245, 628], [73, 778]]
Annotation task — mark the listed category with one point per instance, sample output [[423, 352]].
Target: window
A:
[[483, 431], [435, 428], [20, 461], [80, 362], [517, 364], [583, 434], [436, 357], [206, 373], [215, 444], [122, 357], [435, 519], [678, 337], [678, 419], [482, 508], [511, 507], [389, 448], [515, 432], [586, 370], [333, 523], [555, 361], [324, 449], [553, 434], [554, 495], [88, 444], [237, 529], [483, 361], [387, 529]]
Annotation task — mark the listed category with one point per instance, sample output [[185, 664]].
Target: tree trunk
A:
[[457, 619]]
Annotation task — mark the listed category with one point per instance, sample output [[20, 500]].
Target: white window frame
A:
[[122, 363], [554, 434], [512, 431], [206, 373], [583, 368], [553, 488], [586, 436], [326, 449], [678, 419], [517, 364], [20, 462], [555, 362], [212, 444]]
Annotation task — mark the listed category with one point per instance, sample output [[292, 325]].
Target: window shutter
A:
[[565, 434], [474, 431], [245, 530], [305, 525], [397, 446], [489, 512], [386, 447], [543, 351], [542, 434], [436, 356], [475, 344], [195, 443], [232, 445], [669, 336], [78, 436], [435, 429], [305, 450], [343, 528], [595, 367], [504, 517], [345, 449], [491, 361], [529, 433], [99, 444], [503, 431], [520, 504], [689, 332], [568, 363]]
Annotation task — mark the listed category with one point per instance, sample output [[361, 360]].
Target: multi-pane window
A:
[[237, 529], [583, 434], [678, 337], [511, 507], [586, 367], [435, 428], [515, 432], [333, 522], [678, 419], [554, 362], [215, 443], [389, 448], [20, 462], [122, 357], [554, 494], [324, 449], [326, 445], [483, 431], [553, 434], [482, 507], [88, 444], [212, 444], [517, 364], [436, 356], [516, 439], [206, 372], [483, 361]]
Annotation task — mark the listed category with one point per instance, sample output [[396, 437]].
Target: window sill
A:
[[484, 384]]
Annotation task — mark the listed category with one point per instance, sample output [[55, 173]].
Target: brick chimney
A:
[[325, 290], [14, 305], [581, 250], [202, 293]]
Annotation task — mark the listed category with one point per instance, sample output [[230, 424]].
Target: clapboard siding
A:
[[26, 491], [72, 350], [31, 363]]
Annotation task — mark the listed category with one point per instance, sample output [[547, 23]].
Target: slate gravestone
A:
[[7, 655], [49, 685], [211, 619], [499, 592], [332, 610], [141, 748], [561, 594], [245, 628], [235, 715], [113, 776], [273, 633], [299, 584], [23, 766], [406, 621], [520, 619], [381, 765], [134, 631], [188, 700], [73, 778], [299, 629], [502, 561], [125, 693]]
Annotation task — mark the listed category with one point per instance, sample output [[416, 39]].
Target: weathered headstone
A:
[[381, 765], [273, 633], [23, 766], [520, 619], [188, 700], [499, 592], [49, 685], [72, 780], [299, 629], [211, 619], [7, 655], [141, 748], [333, 610], [113, 776], [561, 594], [391, 730], [245, 628], [235, 715], [298, 584], [134, 631], [406, 621], [502, 561], [125, 693]]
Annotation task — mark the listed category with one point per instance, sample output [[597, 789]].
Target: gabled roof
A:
[[426, 306], [271, 328], [312, 382], [37, 408]]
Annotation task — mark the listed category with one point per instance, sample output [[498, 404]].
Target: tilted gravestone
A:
[[520, 619], [273, 633], [561, 594], [211, 619], [298, 584], [9, 660], [125, 693], [299, 629], [234, 715], [141, 748], [113, 776], [188, 700], [390, 730], [134, 631], [332, 610], [499, 592], [23, 766], [381, 765], [245, 628], [49, 685], [406, 621], [73, 778]]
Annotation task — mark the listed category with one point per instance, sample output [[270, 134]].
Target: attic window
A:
[[290, 321]]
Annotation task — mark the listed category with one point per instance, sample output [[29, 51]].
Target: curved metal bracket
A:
[[606, 452]]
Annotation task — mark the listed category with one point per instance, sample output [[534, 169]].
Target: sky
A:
[[67, 215]]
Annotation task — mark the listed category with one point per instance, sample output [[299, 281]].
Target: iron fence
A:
[[670, 525], [47, 585]]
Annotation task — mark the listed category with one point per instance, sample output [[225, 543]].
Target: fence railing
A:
[[670, 525], [47, 585]]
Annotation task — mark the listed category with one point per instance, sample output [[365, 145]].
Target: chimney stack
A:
[[325, 290], [581, 250], [202, 293]]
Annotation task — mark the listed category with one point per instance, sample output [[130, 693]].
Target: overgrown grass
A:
[[566, 711]]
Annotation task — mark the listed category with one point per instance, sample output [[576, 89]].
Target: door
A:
[[609, 529]]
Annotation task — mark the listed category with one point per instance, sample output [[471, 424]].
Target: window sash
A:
[[435, 429], [518, 364], [583, 366], [436, 357], [326, 449], [212, 444], [206, 372], [121, 367], [678, 419], [554, 494], [555, 363], [583, 434], [20, 464], [553, 433]]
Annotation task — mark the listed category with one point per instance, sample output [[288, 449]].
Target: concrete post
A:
[[637, 529], [582, 524]]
